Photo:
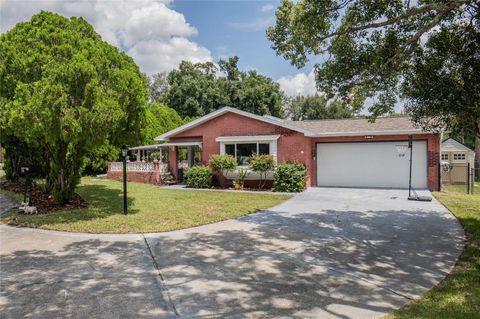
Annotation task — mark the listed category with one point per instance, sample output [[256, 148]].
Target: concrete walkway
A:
[[327, 253]]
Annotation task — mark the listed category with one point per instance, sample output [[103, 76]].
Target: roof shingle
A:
[[354, 125]]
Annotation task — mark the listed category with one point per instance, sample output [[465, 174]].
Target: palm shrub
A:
[[290, 177], [198, 177], [262, 164]]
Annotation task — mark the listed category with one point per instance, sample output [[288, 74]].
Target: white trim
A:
[[157, 146], [452, 145], [272, 146], [459, 153], [224, 110], [246, 139]]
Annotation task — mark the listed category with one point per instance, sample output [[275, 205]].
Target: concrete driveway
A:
[[327, 253]]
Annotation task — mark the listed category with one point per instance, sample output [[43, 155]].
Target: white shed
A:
[[455, 158]]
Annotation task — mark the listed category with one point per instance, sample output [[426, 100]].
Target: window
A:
[[458, 157], [445, 157], [243, 151]]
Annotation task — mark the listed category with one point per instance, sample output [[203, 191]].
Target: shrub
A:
[[198, 177], [241, 175], [290, 177], [262, 164], [222, 163]]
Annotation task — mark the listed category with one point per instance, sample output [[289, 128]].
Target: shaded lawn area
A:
[[150, 208], [458, 295]]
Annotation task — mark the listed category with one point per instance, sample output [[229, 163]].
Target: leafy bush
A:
[[262, 164], [290, 177], [198, 177], [222, 163]]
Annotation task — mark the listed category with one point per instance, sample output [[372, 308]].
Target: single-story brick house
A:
[[338, 153]]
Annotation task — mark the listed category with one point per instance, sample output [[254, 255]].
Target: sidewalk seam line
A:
[[162, 279]]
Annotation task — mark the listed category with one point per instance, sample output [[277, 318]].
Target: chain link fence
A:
[[458, 177]]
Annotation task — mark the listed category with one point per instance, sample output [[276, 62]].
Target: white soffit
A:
[[242, 139]]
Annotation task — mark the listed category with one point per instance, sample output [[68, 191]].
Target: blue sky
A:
[[159, 34], [238, 28]]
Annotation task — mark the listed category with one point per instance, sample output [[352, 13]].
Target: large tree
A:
[[443, 84], [159, 119], [195, 89], [370, 48], [316, 107], [65, 91]]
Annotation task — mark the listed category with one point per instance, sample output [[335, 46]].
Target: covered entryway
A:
[[370, 164]]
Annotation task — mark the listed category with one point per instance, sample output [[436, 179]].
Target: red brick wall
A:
[[291, 146], [139, 177], [433, 150]]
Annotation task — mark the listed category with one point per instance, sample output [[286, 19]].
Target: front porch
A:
[[158, 164]]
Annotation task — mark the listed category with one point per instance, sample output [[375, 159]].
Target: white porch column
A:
[[138, 156], [160, 150]]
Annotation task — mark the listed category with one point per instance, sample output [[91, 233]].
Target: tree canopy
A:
[[195, 89], [424, 52], [443, 85], [366, 45], [316, 107], [65, 91], [159, 119]]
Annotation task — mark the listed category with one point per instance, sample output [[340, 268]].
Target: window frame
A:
[[271, 140], [257, 143], [445, 155], [462, 155]]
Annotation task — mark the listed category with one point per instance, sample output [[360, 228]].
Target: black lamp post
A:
[[124, 155]]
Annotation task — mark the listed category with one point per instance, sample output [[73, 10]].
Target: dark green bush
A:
[[198, 177], [290, 177]]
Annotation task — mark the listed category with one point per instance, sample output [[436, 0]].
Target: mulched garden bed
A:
[[44, 202]]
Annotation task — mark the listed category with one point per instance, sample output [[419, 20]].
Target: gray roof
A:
[[356, 125]]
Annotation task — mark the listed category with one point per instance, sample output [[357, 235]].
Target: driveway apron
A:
[[326, 253]]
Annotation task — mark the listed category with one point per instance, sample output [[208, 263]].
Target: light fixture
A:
[[124, 150]]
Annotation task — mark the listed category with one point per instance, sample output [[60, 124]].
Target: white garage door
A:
[[370, 164]]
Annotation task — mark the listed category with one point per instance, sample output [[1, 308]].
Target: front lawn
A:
[[458, 295], [151, 209]]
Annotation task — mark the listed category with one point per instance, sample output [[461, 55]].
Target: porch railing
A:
[[139, 167]]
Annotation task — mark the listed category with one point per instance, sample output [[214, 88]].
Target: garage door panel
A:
[[370, 164]]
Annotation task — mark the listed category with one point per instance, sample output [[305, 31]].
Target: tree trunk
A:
[[477, 150]]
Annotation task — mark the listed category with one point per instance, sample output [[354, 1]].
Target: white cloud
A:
[[154, 34], [158, 56], [267, 7], [298, 84]]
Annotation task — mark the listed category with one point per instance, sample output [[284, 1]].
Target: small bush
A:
[[290, 177], [262, 164], [198, 177], [222, 163]]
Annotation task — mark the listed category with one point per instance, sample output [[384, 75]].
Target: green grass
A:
[[462, 188], [151, 209], [458, 295], [15, 196]]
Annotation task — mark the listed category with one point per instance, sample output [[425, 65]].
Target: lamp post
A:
[[124, 155], [410, 146]]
